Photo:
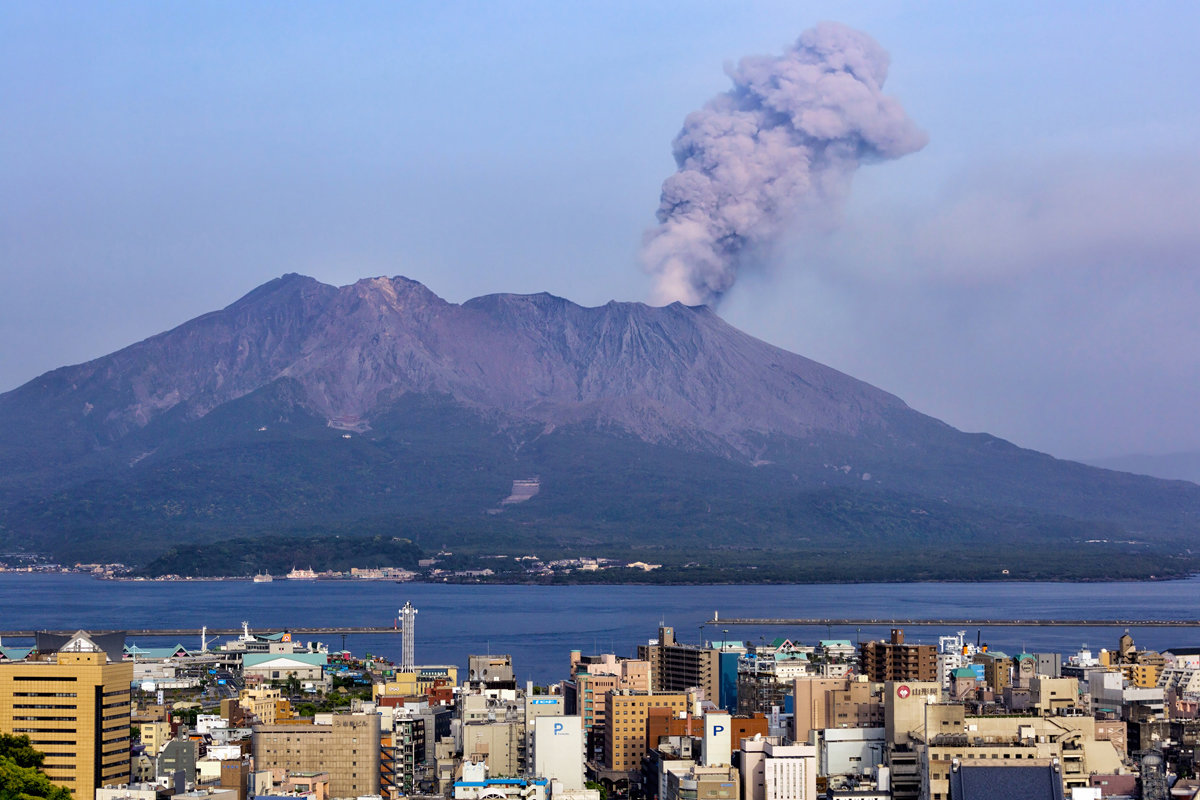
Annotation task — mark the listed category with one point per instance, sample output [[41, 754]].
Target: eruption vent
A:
[[789, 134]]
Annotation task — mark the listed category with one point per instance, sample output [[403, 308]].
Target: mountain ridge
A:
[[303, 404], [430, 352]]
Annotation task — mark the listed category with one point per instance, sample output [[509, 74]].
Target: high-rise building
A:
[[593, 677], [676, 667], [408, 623], [70, 696], [896, 661], [625, 732], [558, 750]]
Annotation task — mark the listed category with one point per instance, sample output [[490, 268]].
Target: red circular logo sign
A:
[[903, 691]]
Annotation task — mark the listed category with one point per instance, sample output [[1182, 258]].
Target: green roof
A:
[[257, 659], [15, 653], [835, 643], [963, 672], [154, 652]]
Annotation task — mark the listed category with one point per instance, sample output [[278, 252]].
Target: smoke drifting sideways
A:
[[787, 137]]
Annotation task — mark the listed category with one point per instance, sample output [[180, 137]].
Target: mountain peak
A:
[[397, 292], [623, 407], [286, 285], [658, 373]]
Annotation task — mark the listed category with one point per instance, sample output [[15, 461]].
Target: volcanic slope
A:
[[381, 409]]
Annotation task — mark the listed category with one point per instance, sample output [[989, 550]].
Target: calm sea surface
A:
[[539, 625]]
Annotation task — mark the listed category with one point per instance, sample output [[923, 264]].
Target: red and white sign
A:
[[902, 691]]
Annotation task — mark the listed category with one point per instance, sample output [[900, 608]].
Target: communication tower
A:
[[408, 620]]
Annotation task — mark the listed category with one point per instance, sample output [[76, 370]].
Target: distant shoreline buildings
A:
[[266, 715]]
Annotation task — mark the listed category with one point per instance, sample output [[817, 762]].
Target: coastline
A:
[[566, 582]]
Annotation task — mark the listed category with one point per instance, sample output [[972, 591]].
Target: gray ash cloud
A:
[[787, 137]]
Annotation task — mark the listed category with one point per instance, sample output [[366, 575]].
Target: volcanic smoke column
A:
[[788, 136]]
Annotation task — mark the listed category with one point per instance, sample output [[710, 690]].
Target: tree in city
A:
[[20, 772]]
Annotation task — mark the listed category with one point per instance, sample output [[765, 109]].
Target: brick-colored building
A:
[[665, 722], [896, 661]]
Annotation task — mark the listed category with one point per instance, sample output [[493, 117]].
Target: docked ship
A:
[[302, 575], [263, 577]]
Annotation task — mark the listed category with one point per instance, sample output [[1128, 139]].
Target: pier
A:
[[801, 622], [727, 622]]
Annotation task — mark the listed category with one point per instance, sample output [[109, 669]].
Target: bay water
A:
[[540, 625]]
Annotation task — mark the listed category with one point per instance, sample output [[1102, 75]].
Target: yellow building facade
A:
[[74, 707], [416, 683], [626, 717]]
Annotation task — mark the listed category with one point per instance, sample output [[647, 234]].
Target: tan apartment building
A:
[[592, 678], [349, 750], [894, 660], [73, 704], [625, 732], [851, 702], [499, 744], [154, 736], [997, 670], [676, 667], [262, 702]]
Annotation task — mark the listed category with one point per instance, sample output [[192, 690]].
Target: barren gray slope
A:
[[663, 374]]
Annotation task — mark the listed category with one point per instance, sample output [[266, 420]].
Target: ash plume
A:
[[788, 136]]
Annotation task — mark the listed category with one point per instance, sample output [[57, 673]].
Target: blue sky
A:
[[1031, 272]]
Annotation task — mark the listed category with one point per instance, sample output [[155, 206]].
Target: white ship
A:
[[302, 575], [263, 577]]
